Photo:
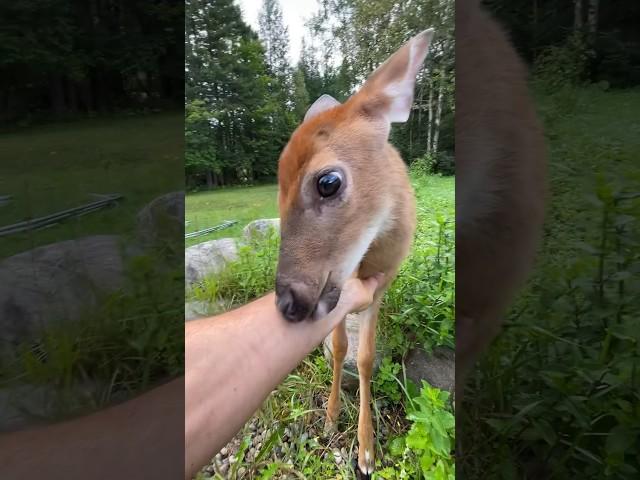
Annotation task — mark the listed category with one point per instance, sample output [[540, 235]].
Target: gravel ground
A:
[[340, 448]]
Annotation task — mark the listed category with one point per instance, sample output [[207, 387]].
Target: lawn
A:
[[555, 393], [54, 167], [130, 338], [285, 438], [243, 204]]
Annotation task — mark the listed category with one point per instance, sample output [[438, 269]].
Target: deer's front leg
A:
[[340, 344], [366, 357]]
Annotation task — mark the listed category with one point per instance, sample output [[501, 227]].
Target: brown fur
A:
[[500, 157]]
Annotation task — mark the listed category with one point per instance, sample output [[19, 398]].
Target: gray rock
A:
[[350, 380], [195, 309], [26, 405], [162, 220], [56, 282], [438, 369], [208, 258], [260, 228]]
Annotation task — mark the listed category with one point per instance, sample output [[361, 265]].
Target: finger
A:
[[373, 282]]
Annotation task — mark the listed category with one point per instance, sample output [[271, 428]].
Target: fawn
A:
[[347, 207]]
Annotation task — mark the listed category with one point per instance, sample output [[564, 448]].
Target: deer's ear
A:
[[325, 102], [389, 89]]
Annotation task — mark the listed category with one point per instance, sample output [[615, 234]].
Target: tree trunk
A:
[[430, 120], [436, 133], [577, 15], [592, 18], [72, 96], [57, 94], [209, 179]]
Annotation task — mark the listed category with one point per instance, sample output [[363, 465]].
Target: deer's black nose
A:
[[293, 303]]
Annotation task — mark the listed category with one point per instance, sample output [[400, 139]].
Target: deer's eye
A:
[[329, 184]]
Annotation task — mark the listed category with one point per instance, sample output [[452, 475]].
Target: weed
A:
[[558, 391]]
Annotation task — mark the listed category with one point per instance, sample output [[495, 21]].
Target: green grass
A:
[[244, 204], [132, 337], [556, 392], [55, 167], [414, 428]]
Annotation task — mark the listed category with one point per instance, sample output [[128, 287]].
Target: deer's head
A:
[[336, 196]]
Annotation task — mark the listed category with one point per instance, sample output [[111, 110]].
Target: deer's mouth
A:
[[327, 300]]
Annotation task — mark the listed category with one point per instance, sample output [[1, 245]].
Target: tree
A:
[[592, 16], [365, 34], [274, 36], [236, 119], [72, 58], [577, 14], [301, 99]]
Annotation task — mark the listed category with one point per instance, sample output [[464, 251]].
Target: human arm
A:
[[235, 360]]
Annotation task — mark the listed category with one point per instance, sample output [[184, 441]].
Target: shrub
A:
[[557, 67], [424, 452]]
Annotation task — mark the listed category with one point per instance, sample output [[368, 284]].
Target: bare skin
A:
[[137, 439], [258, 345]]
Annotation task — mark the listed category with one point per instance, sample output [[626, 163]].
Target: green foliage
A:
[[557, 67], [418, 308], [140, 157], [424, 165], [385, 383], [62, 59], [274, 35], [244, 204], [132, 339], [347, 27], [250, 277], [433, 163], [424, 452], [561, 382], [237, 118]]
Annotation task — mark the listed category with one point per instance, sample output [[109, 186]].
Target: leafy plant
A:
[[385, 383], [418, 308], [250, 276], [425, 451]]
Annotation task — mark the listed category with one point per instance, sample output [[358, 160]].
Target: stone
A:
[[162, 220], [57, 282], [260, 228], [350, 380], [195, 309], [437, 369], [24, 405], [208, 258]]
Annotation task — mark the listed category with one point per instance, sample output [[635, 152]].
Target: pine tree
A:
[[275, 37], [301, 99]]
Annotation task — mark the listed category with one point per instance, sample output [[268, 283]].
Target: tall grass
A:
[[557, 394]]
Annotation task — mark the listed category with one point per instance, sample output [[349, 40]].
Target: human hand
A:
[[357, 294]]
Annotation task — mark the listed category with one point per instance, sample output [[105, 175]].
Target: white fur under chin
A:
[[379, 225]]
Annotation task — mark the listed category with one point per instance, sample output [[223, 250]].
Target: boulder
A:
[[162, 220], [26, 405], [437, 368], [196, 309], [260, 228], [350, 367], [56, 282], [208, 258]]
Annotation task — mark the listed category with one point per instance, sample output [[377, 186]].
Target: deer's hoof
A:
[[366, 463]]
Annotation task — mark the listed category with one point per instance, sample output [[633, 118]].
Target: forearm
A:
[[258, 344], [135, 439]]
